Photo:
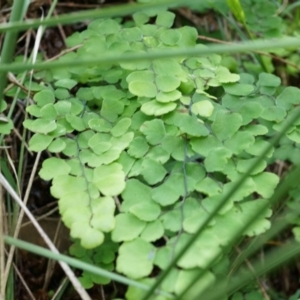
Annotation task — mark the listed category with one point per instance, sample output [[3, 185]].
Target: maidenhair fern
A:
[[144, 150]]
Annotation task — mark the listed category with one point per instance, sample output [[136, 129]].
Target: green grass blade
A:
[[114, 11], [166, 53], [10, 40], [77, 264]]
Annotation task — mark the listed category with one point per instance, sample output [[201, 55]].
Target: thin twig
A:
[[65, 52], [49, 213]]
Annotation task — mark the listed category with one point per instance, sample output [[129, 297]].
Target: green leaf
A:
[[73, 200], [39, 142], [147, 76], [270, 80], [135, 192], [109, 179], [198, 255], [63, 107], [152, 171], [165, 97], [100, 125], [224, 76], [289, 97], [34, 110], [294, 135], [104, 26], [65, 83], [204, 145], [154, 131], [170, 37], [153, 231], [165, 194], [6, 127], [71, 148], [165, 19], [155, 108], [238, 216], [192, 126], [40, 125], [86, 281], [226, 124], [194, 220], [44, 97], [169, 192], [48, 111], [217, 159], [136, 258], [103, 210], [126, 161], [89, 237], [99, 142], [257, 129], [203, 108], [238, 89], [249, 111], [132, 34], [158, 154], [266, 183], [85, 94], [62, 94], [121, 127], [189, 36], [76, 122], [244, 164], [83, 138], [128, 227], [53, 167], [111, 108], [143, 88], [240, 141], [258, 147], [247, 188], [65, 184], [209, 187], [167, 83], [146, 211], [140, 18], [138, 147], [167, 66], [274, 113]]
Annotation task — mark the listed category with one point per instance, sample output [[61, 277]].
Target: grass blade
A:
[[166, 53], [77, 263]]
